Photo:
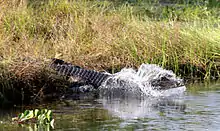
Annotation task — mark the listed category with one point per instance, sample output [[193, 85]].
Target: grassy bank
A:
[[108, 35]]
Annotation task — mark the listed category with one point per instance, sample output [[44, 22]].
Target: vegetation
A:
[[37, 116], [40, 118], [106, 35]]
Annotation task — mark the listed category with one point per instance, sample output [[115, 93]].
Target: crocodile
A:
[[92, 77], [96, 78]]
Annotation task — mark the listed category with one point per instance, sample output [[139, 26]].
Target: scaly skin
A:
[[90, 76]]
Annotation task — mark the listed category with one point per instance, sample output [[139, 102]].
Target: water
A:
[[197, 108], [147, 81]]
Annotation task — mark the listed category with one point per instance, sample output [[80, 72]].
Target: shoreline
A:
[[35, 82], [104, 36]]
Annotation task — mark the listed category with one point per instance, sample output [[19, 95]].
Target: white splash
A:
[[129, 82]]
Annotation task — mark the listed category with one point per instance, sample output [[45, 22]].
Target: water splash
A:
[[147, 81]]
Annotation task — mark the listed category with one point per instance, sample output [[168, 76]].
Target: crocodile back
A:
[[93, 77]]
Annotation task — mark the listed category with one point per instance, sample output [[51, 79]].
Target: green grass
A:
[[110, 35]]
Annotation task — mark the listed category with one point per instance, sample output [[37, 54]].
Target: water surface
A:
[[197, 109]]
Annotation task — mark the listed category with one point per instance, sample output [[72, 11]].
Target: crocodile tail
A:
[[93, 77]]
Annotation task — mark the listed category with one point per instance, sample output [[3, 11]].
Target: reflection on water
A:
[[198, 109], [141, 108]]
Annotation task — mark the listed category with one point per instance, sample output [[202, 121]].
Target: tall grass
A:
[[107, 35], [104, 35]]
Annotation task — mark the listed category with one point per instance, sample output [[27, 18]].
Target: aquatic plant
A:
[[41, 117]]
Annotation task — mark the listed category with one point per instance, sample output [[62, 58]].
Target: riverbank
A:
[[107, 35]]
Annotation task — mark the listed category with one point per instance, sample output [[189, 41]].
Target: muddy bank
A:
[[30, 82]]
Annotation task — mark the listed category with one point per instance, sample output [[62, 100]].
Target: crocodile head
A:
[[166, 81]]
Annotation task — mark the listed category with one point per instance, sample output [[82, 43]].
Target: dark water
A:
[[197, 109]]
